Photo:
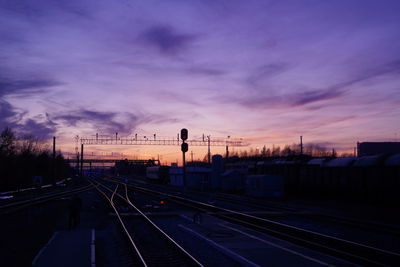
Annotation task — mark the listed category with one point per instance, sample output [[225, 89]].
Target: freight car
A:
[[158, 174]]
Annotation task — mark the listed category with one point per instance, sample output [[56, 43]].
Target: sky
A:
[[265, 71]]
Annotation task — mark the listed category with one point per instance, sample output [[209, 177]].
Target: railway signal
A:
[[184, 147], [184, 134]]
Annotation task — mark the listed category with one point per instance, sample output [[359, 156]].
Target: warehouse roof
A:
[[340, 162], [393, 160], [368, 161]]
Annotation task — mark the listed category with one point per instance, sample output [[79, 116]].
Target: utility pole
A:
[[209, 151], [77, 163], [191, 154], [81, 172], [301, 145], [184, 168], [227, 148], [54, 160]]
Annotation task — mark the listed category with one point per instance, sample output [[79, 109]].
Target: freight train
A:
[[158, 174], [370, 178]]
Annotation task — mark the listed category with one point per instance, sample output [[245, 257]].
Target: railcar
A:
[[158, 174]]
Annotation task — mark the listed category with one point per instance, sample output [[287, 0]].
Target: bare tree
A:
[[29, 145], [276, 151], [7, 142], [316, 150]]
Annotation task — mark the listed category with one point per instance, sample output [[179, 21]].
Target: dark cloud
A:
[[111, 122], [392, 67], [266, 72], [160, 119], [40, 126], [34, 10], [314, 107], [303, 98], [186, 68], [41, 130], [70, 120], [314, 96], [25, 87], [49, 121], [197, 70], [6, 111], [166, 39], [291, 100], [103, 121], [10, 117], [313, 124], [44, 126]]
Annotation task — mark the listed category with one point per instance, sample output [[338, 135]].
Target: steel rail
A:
[[367, 225], [33, 188], [345, 249], [14, 206], [111, 201], [159, 229], [170, 239]]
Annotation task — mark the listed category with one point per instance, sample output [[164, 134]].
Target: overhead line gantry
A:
[[161, 142], [205, 141]]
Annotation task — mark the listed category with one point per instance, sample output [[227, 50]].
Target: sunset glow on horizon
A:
[[264, 71]]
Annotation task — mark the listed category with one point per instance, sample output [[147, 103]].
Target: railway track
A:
[[379, 228], [348, 250], [360, 224], [151, 246], [18, 205]]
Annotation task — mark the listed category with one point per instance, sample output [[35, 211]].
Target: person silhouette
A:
[[75, 207]]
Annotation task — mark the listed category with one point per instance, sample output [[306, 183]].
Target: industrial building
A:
[[376, 148]]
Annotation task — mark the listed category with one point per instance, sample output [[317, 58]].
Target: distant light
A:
[[162, 202]]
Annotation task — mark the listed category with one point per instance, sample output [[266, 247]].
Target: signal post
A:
[[184, 149]]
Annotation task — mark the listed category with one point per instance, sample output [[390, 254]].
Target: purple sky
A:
[[267, 71]]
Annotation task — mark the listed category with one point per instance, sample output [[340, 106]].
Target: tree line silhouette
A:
[[312, 150], [287, 151], [23, 157]]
